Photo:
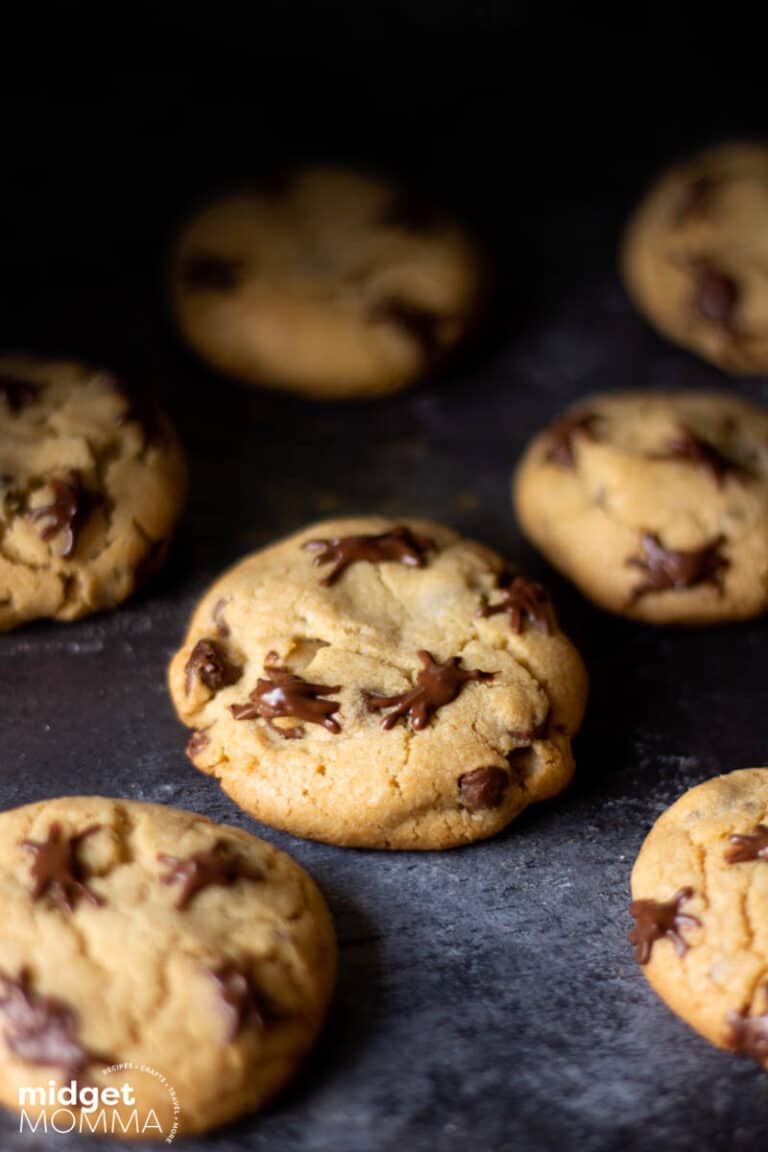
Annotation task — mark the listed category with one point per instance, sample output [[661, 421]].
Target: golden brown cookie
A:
[[144, 936], [695, 255], [91, 485], [331, 283], [700, 905], [382, 684], [654, 503]]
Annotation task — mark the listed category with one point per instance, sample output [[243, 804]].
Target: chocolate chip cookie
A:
[[654, 503], [92, 480], [141, 935], [382, 684], [700, 906], [328, 282], [695, 255]]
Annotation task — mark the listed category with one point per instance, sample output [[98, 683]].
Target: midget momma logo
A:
[[112, 1109]]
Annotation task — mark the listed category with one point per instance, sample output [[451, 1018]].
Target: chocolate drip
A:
[[56, 871], [753, 846], [208, 663], [666, 569], [287, 695], [40, 1029], [398, 545], [749, 1034], [692, 449], [197, 742], [216, 867], [242, 1001], [67, 512], [522, 600], [655, 920], [436, 685]]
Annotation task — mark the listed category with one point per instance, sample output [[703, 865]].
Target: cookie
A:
[[330, 283], [380, 684], [654, 503], [700, 906], [92, 481], [695, 256], [140, 935]]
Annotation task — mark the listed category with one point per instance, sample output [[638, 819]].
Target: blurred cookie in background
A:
[[327, 282], [695, 255], [92, 481], [654, 503]]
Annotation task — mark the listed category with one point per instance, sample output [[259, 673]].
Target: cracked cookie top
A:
[[137, 933], [700, 906], [695, 255], [378, 683], [91, 483], [654, 503], [328, 282]]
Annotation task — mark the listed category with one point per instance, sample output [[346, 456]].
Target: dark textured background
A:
[[487, 997]]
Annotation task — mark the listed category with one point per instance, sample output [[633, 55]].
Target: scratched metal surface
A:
[[487, 997]]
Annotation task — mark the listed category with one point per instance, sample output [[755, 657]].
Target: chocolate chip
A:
[[656, 919], [40, 1029], [197, 742], [399, 545], [285, 695], [715, 294], [666, 569], [753, 846], [522, 600], [67, 512], [204, 272], [217, 866], [56, 871], [436, 685], [483, 788], [691, 449], [749, 1035], [243, 1002], [209, 664]]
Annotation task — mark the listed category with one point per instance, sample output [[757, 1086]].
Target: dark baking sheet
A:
[[487, 997]]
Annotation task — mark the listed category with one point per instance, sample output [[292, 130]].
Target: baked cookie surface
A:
[[700, 905], [91, 485], [144, 935], [373, 683], [654, 503], [331, 283], [695, 255]]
